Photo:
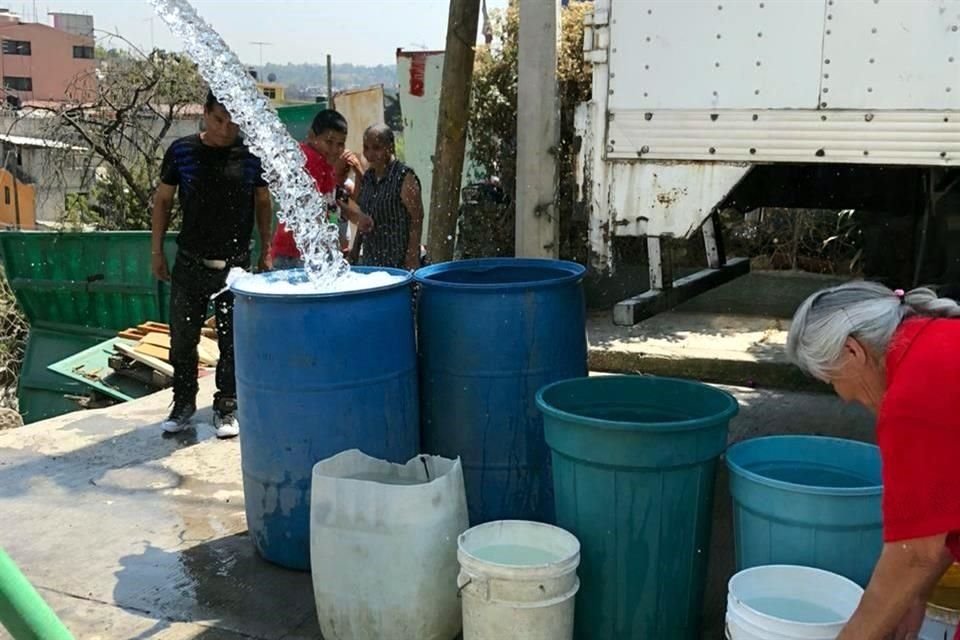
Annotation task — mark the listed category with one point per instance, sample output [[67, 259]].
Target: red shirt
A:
[[317, 166], [918, 430]]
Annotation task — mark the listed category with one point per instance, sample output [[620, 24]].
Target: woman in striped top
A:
[[390, 194]]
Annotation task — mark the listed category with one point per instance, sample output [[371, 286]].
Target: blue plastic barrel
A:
[[807, 500], [634, 463], [491, 333], [318, 374]]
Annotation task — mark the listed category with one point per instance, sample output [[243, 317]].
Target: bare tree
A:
[[113, 130]]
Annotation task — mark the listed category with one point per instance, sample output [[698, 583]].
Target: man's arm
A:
[[263, 207], [413, 202], [904, 577], [159, 223], [347, 161]]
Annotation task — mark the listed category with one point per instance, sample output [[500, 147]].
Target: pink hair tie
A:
[[899, 293]]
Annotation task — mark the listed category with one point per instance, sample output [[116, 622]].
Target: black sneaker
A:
[[225, 418], [180, 417]]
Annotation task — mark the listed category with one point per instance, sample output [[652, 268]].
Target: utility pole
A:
[[153, 45], [538, 131], [329, 81], [452, 127]]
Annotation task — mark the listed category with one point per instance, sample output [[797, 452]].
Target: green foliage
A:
[[493, 117], [13, 335]]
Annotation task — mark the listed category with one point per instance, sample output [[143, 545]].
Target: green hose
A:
[[22, 611]]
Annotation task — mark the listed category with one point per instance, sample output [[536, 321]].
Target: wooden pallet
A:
[[152, 347]]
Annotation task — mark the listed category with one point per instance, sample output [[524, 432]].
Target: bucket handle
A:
[[482, 586]]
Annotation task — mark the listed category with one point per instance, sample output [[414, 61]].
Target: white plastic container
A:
[[518, 579], [383, 547], [939, 624], [783, 602]]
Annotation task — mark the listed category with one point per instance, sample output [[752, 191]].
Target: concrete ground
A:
[[129, 534], [734, 334]]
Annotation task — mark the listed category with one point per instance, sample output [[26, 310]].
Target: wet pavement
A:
[[130, 534]]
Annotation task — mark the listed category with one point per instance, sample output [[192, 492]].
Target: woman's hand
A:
[[909, 627], [364, 223]]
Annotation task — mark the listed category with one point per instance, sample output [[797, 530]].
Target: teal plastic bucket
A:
[[634, 462], [807, 500]]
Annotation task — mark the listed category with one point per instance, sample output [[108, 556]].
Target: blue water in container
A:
[[807, 500], [491, 333], [318, 374]]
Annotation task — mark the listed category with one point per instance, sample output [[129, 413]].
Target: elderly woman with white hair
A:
[[898, 354]]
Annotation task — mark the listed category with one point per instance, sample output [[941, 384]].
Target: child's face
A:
[[330, 144]]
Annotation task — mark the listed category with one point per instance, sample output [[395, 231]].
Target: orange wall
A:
[[28, 199], [51, 64]]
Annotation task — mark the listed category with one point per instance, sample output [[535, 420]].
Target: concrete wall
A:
[[55, 178], [51, 65]]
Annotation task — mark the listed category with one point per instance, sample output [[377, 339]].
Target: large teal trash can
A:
[[807, 500], [634, 461]]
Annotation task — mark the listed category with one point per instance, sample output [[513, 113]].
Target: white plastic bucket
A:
[[939, 624], [383, 547], [518, 579], [784, 602]]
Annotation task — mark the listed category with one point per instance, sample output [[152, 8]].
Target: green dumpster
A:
[[298, 117], [76, 289], [634, 461]]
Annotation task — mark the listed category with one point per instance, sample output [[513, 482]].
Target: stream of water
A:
[[301, 207]]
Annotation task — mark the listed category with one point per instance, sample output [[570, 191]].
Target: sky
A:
[[364, 32]]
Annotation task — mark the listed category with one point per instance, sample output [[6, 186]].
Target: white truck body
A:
[[690, 95]]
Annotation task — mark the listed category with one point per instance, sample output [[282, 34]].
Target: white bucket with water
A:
[[518, 579], [784, 602]]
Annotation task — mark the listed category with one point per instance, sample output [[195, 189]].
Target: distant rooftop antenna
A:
[[261, 45]]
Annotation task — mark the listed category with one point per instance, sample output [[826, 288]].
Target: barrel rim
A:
[[743, 472], [744, 574], [693, 424], [572, 272], [407, 280]]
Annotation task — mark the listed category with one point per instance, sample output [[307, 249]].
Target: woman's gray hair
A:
[[867, 311], [382, 133]]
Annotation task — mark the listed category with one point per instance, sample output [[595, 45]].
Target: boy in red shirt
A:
[[328, 163]]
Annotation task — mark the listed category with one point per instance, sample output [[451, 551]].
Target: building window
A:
[[17, 83], [270, 92], [6, 195], [16, 47], [84, 53]]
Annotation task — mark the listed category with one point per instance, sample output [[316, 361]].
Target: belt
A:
[[217, 264]]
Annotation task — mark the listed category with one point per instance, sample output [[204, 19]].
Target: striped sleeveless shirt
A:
[[386, 245]]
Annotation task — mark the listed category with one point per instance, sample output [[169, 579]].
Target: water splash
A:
[[303, 210]]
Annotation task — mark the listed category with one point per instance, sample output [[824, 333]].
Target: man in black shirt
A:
[[221, 194]]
